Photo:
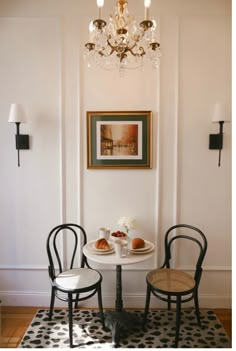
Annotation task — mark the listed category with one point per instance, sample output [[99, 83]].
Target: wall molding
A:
[[32, 298], [207, 268], [45, 268], [22, 268]]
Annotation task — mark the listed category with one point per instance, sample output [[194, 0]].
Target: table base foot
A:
[[118, 321]]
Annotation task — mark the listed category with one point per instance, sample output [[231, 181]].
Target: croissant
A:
[[102, 244], [138, 243]]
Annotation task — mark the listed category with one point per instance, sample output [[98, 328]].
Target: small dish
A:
[[118, 235]]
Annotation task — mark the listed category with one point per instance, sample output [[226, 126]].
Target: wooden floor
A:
[[15, 321]]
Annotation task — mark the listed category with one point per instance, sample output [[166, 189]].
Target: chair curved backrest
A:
[[174, 285], [77, 234], [71, 282], [197, 237]]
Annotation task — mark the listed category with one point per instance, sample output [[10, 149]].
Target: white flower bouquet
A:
[[127, 222]]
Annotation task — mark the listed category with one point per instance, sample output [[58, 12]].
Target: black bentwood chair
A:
[[175, 286], [71, 284]]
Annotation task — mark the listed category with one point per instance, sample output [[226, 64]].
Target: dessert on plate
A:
[[137, 243], [102, 244]]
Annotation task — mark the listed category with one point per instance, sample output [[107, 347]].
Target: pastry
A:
[[138, 243], [102, 244]]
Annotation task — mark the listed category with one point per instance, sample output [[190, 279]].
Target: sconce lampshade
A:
[[220, 113], [17, 114]]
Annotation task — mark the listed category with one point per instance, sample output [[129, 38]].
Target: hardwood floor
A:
[[15, 321]]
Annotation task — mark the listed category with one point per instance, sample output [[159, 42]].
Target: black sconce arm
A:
[[216, 141], [22, 141]]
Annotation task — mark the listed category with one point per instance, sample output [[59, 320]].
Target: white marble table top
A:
[[112, 259]]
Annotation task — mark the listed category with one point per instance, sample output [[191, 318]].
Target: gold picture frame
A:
[[119, 140]]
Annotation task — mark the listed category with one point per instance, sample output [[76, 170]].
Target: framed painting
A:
[[119, 139]]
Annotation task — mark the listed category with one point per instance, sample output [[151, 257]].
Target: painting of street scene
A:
[[119, 139]]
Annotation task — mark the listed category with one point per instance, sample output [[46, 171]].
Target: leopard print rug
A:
[[160, 331]]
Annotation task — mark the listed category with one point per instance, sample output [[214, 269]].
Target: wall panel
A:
[[42, 66]]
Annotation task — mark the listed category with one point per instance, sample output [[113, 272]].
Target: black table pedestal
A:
[[116, 321], [120, 319]]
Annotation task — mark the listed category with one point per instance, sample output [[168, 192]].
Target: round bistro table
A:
[[119, 318]]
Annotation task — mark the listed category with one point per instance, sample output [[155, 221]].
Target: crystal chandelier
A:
[[122, 43]]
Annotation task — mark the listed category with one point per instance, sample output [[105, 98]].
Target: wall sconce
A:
[[17, 115], [220, 115]]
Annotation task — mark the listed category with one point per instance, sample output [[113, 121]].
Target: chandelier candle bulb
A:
[[99, 12], [90, 32], [147, 4], [100, 4]]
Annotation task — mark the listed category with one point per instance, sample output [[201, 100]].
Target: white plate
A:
[[148, 246], [135, 252], [100, 252], [91, 247]]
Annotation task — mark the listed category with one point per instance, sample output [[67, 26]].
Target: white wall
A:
[[42, 66]]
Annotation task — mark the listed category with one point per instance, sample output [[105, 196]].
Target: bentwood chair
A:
[[71, 284], [173, 285]]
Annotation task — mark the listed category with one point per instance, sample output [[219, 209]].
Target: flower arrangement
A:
[[127, 222]]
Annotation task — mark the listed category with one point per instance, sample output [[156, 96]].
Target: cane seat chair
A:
[[71, 284], [173, 285]]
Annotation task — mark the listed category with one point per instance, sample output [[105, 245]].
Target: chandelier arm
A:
[[101, 53], [130, 49], [140, 48], [113, 48]]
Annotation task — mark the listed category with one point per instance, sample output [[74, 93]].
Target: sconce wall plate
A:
[[22, 142], [215, 142]]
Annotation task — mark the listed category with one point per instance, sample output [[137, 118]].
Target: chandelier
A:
[[122, 43]]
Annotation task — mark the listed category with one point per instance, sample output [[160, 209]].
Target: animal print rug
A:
[[160, 331]]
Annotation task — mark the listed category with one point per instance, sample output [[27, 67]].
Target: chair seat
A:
[[171, 280], [77, 278]]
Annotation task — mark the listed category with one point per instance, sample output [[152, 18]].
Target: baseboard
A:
[[17, 298]]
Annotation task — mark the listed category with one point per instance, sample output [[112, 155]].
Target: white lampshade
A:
[[220, 113], [17, 114]]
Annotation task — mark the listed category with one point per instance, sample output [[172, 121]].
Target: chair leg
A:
[[169, 303], [147, 303], [178, 319], [197, 311], [70, 307], [53, 291], [99, 291], [76, 300]]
